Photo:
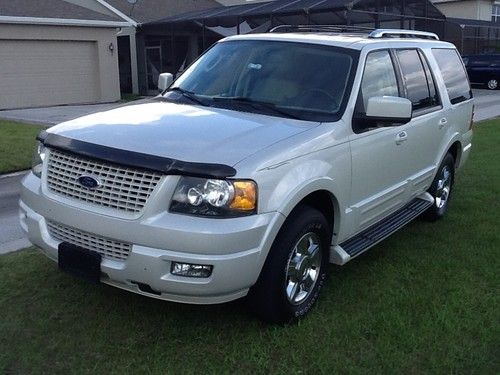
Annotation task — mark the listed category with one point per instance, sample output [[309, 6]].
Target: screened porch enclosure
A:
[[183, 37]]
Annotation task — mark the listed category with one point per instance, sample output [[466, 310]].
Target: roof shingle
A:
[[51, 9], [152, 10]]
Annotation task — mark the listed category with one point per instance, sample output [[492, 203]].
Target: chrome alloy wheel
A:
[[492, 84], [303, 268], [443, 187]]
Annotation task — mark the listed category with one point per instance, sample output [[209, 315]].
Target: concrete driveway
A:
[[58, 114]]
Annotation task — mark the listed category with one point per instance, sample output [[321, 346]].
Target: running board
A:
[[353, 247]]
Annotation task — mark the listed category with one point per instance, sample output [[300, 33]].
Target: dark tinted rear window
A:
[[453, 74], [420, 91]]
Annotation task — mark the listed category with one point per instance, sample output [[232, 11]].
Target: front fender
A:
[[299, 179]]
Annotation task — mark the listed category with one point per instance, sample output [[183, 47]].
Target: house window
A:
[[495, 16]]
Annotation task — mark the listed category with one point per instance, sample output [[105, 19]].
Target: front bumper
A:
[[236, 247]]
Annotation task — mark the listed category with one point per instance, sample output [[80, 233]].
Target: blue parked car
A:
[[483, 69]]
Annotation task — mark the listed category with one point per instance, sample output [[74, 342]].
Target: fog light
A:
[[191, 270]]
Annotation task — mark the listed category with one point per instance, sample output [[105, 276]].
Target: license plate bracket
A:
[[80, 262]]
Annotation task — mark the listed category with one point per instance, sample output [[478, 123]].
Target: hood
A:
[[183, 132]]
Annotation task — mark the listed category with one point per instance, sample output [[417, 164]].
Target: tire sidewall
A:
[[300, 310], [268, 296]]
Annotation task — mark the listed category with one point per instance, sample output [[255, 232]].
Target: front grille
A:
[[122, 188], [106, 247]]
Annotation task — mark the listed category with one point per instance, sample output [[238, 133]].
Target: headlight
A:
[[38, 158], [211, 197]]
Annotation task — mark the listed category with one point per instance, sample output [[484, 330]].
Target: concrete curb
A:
[[27, 121], [14, 174], [15, 245]]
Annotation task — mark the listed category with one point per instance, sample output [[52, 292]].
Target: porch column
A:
[[133, 62]]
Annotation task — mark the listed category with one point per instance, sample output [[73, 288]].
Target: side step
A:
[[377, 232]]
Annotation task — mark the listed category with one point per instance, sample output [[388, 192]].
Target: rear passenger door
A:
[[428, 126]]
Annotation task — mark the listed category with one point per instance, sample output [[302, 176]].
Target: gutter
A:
[[62, 22]]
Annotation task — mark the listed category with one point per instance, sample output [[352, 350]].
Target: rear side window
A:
[[420, 89], [453, 73]]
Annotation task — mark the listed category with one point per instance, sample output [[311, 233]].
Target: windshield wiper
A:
[[257, 105], [188, 94]]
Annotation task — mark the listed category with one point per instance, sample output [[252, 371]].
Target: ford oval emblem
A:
[[89, 182]]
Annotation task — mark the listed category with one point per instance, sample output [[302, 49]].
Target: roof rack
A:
[[400, 33], [372, 33], [320, 28]]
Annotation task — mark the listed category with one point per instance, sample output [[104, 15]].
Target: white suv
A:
[[272, 155]]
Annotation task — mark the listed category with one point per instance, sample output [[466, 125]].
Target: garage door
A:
[[46, 72]]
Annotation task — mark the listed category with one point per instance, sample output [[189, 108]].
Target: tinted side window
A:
[[430, 80], [417, 87], [379, 78], [453, 74]]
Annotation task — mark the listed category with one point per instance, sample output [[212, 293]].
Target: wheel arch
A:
[[320, 195], [455, 149]]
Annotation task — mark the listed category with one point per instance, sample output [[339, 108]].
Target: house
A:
[[483, 10], [201, 28], [474, 25], [56, 52], [140, 58]]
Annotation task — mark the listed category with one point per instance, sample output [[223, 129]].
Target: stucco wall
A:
[[471, 9]]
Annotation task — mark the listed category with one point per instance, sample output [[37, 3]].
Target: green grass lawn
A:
[[17, 142], [424, 301]]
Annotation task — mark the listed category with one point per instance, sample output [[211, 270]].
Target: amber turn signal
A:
[[245, 196]]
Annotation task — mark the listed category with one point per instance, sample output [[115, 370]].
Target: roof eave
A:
[[62, 22], [118, 13]]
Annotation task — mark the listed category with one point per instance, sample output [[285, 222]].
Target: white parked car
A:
[[272, 155]]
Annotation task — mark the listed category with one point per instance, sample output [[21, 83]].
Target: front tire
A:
[[441, 189], [295, 269]]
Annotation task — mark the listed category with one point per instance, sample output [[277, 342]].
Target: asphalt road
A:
[[487, 104], [12, 237]]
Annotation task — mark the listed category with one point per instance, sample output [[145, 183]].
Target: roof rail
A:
[[372, 33], [320, 28], [395, 33]]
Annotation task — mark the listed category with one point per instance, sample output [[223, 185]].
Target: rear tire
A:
[[441, 189], [492, 84], [295, 269]]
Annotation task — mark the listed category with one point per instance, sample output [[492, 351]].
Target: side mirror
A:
[[388, 109], [164, 81]]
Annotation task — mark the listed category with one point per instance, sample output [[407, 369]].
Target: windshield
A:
[[297, 80]]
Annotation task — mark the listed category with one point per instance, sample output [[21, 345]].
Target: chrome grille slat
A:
[[108, 248], [123, 188]]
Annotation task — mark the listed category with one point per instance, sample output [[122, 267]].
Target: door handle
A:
[[442, 123], [401, 137]]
